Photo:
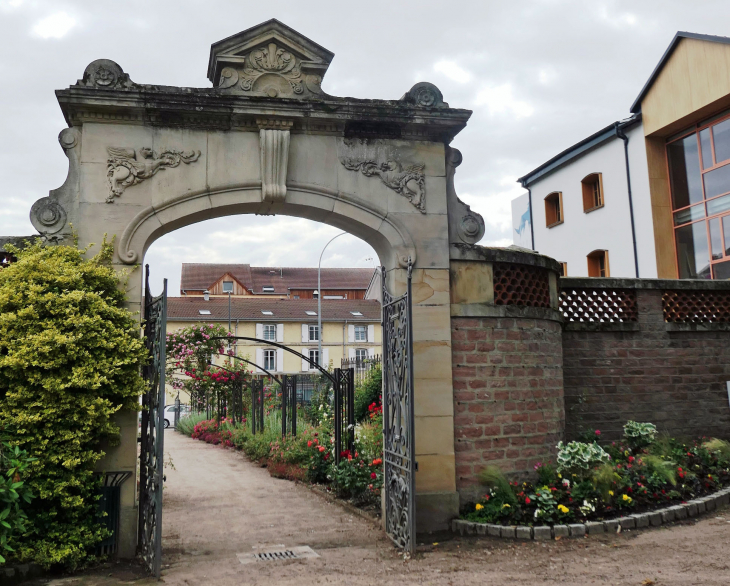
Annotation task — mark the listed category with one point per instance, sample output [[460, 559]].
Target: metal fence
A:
[[361, 366]]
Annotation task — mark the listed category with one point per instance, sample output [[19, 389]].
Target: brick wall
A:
[[657, 373], [508, 395]]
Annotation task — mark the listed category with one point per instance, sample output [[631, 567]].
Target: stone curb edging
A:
[[656, 518], [21, 573]]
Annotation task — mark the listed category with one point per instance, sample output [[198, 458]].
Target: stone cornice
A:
[[209, 108]]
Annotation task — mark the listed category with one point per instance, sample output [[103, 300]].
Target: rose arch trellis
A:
[[266, 139]]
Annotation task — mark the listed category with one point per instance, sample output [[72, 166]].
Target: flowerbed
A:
[[589, 482]]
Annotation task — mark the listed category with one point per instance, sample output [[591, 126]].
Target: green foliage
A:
[[546, 473], [70, 357], [579, 459], [14, 463], [546, 507], [720, 448], [639, 435], [663, 470], [492, 477], [187, 423], [604, 478], [368, 392]]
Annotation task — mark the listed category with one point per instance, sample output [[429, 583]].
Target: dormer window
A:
[[592, 187], [554, 209], [227, 286]]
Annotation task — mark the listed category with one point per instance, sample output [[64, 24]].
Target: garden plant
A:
[[643, 471]]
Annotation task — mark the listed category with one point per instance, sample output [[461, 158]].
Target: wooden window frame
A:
[[552, 217], [564, 269], [592, 259], [587, 185]]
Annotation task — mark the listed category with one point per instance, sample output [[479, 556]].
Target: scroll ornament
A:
[[124, 169], [409, 182]]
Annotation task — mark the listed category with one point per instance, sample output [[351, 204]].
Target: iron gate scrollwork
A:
[[152, 432], [398, 416]]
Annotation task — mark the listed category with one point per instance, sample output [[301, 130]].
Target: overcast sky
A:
[[539, 75]]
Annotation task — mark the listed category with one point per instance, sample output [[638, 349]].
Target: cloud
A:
[[55, 26], [501, 100], [453, 71]]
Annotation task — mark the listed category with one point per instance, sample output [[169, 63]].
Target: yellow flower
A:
[[546, 487], [610, 492], [627, 498], [505, 505], [479, 507], [562, 508], [560, 475]]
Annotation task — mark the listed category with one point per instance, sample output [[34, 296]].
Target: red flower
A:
[[631, 458], [598, 432], [309, 444], [527, 500], [373, 475]]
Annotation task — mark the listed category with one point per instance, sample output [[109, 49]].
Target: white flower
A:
[[566, 482], [538, 512]]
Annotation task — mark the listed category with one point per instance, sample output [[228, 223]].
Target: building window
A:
[[313, 357], [699, 179], [268, 289], [361, 355], [592, 192], [270, 332], [554, 209], [270, 360], [313, 333], [227, 286], [598, 264], [563, 269], [361, 333]]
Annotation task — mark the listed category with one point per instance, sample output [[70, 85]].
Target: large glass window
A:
[[313, 333], [699, 174]]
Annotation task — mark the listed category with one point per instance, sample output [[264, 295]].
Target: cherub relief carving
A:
[[125, 170]]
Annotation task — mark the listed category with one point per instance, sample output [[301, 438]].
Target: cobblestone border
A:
[[656, 518]]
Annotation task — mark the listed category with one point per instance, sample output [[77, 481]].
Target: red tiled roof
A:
[[200, 276], [250, 308]]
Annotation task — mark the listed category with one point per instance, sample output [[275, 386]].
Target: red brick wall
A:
[[508, 395], [674, 379]]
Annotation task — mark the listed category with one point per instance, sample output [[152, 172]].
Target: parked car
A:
[[169, 414]]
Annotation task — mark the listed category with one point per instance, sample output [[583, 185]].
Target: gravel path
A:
[[218, 505]]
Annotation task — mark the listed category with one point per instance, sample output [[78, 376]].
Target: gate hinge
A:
[[415, 466]]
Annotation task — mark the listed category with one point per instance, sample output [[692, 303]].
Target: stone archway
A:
[[265, 139]]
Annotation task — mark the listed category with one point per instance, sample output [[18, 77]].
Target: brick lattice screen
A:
[[516, 284], [599, 305], [696, 306]]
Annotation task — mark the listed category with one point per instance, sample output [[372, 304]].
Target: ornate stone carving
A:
[[104, 73], [274, 151], [409, 182], [425, 95], [48, 216], [125, 170], [465, 226]]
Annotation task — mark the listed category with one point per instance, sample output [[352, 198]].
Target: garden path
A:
[[218, 504]]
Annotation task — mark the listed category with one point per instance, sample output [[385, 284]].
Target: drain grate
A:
[[273, 556], [278, 555]]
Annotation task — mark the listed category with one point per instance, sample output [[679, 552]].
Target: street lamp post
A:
[[319, 301]]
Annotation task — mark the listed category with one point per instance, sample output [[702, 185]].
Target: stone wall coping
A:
[[580, 326], [511, 311], [693, 508], [511, 254], [663, 284]]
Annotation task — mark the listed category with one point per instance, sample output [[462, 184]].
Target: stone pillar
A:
[[437, 501], [506, 334]]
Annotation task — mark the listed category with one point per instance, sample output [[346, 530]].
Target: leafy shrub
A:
[[70, 357], [186, 424], [580, 459], [14, 463], [639, 435], [492, 477], [720, 448], [369, 391]]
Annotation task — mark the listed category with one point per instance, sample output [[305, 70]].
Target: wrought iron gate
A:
[[398, 417], [149, 539]]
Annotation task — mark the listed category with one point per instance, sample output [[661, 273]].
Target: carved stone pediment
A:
[[271, 60]]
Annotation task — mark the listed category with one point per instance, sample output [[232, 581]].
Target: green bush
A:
[[70, 357], [369, 391], [187, 423], [14, 463]]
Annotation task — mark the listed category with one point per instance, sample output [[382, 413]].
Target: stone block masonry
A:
[[508, 395], [671, 374]]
